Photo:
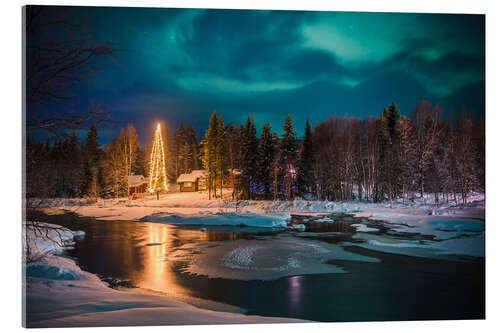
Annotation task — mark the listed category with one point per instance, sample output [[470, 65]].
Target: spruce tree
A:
[[288, 157], [91, 156], [265, 160], [92, 144], [209, 158], [248, 158], [220, 153], [305, 177], [74, 160]]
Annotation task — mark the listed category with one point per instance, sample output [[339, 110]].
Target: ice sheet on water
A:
[[266, 259], [240, 258], [222, 218], [458, 244], [324, 220], [364, 228]]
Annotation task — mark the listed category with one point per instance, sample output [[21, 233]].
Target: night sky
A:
[[179, 65]]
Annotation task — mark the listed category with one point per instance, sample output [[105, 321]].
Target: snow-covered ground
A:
[[441, 230], [416, 229], [45, 238], [196, 204], [60, 294]]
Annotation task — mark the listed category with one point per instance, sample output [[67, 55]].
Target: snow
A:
[[449, 224], [324, 220], [136, 180], [363, 228], [191, 177], [451, 237], [417, 229], [220, 218], [49, 281], [195, 202], [266, 259], [78, 234], [45, 238], [92, 303], [299, 227]]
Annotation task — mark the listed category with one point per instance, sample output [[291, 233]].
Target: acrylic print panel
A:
[[197, 166]]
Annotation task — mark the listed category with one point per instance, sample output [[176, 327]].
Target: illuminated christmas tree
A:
[[157, 168]]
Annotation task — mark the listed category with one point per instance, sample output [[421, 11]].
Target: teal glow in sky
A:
[[182, 64]]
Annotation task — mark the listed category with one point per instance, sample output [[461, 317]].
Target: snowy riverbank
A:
[[60, 294], [195, 208]]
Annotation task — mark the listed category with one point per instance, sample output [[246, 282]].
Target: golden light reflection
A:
[[159, 241], [158, 273]]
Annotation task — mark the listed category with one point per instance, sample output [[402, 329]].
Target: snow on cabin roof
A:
[[198, 173], [136, 180], [191, 177]]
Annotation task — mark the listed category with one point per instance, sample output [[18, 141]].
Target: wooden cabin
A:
[[192, 182], [137, 184]]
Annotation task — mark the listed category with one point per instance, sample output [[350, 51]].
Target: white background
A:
[[10, 158]]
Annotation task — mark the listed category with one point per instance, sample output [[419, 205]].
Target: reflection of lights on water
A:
[[156, 271], [294, 291], [159, 236]]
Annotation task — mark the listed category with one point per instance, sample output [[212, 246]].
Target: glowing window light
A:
[[157, 171]]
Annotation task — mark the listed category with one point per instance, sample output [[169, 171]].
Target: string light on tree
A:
[[157, 171]]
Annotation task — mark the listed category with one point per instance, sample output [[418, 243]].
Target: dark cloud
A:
[[181, 64]]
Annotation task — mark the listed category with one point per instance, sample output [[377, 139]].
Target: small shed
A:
[[137, 184], [192, 182]]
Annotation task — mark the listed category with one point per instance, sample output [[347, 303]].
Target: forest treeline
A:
[[340, 159]]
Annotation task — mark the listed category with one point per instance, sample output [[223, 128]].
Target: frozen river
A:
[[333, 272]]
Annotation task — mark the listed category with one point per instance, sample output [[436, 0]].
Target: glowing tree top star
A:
[[157, 171]]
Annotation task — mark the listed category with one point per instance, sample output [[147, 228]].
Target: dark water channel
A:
[[396, 288]]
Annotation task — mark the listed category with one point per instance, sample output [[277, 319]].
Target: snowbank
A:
[[59, 294], [42, 238], [363, 228], [197, 203], [219, 218]]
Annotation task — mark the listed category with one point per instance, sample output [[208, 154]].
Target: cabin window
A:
[[188, 184]]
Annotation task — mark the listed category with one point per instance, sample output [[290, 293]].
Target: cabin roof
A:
[[136, 180], [191, 177]]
